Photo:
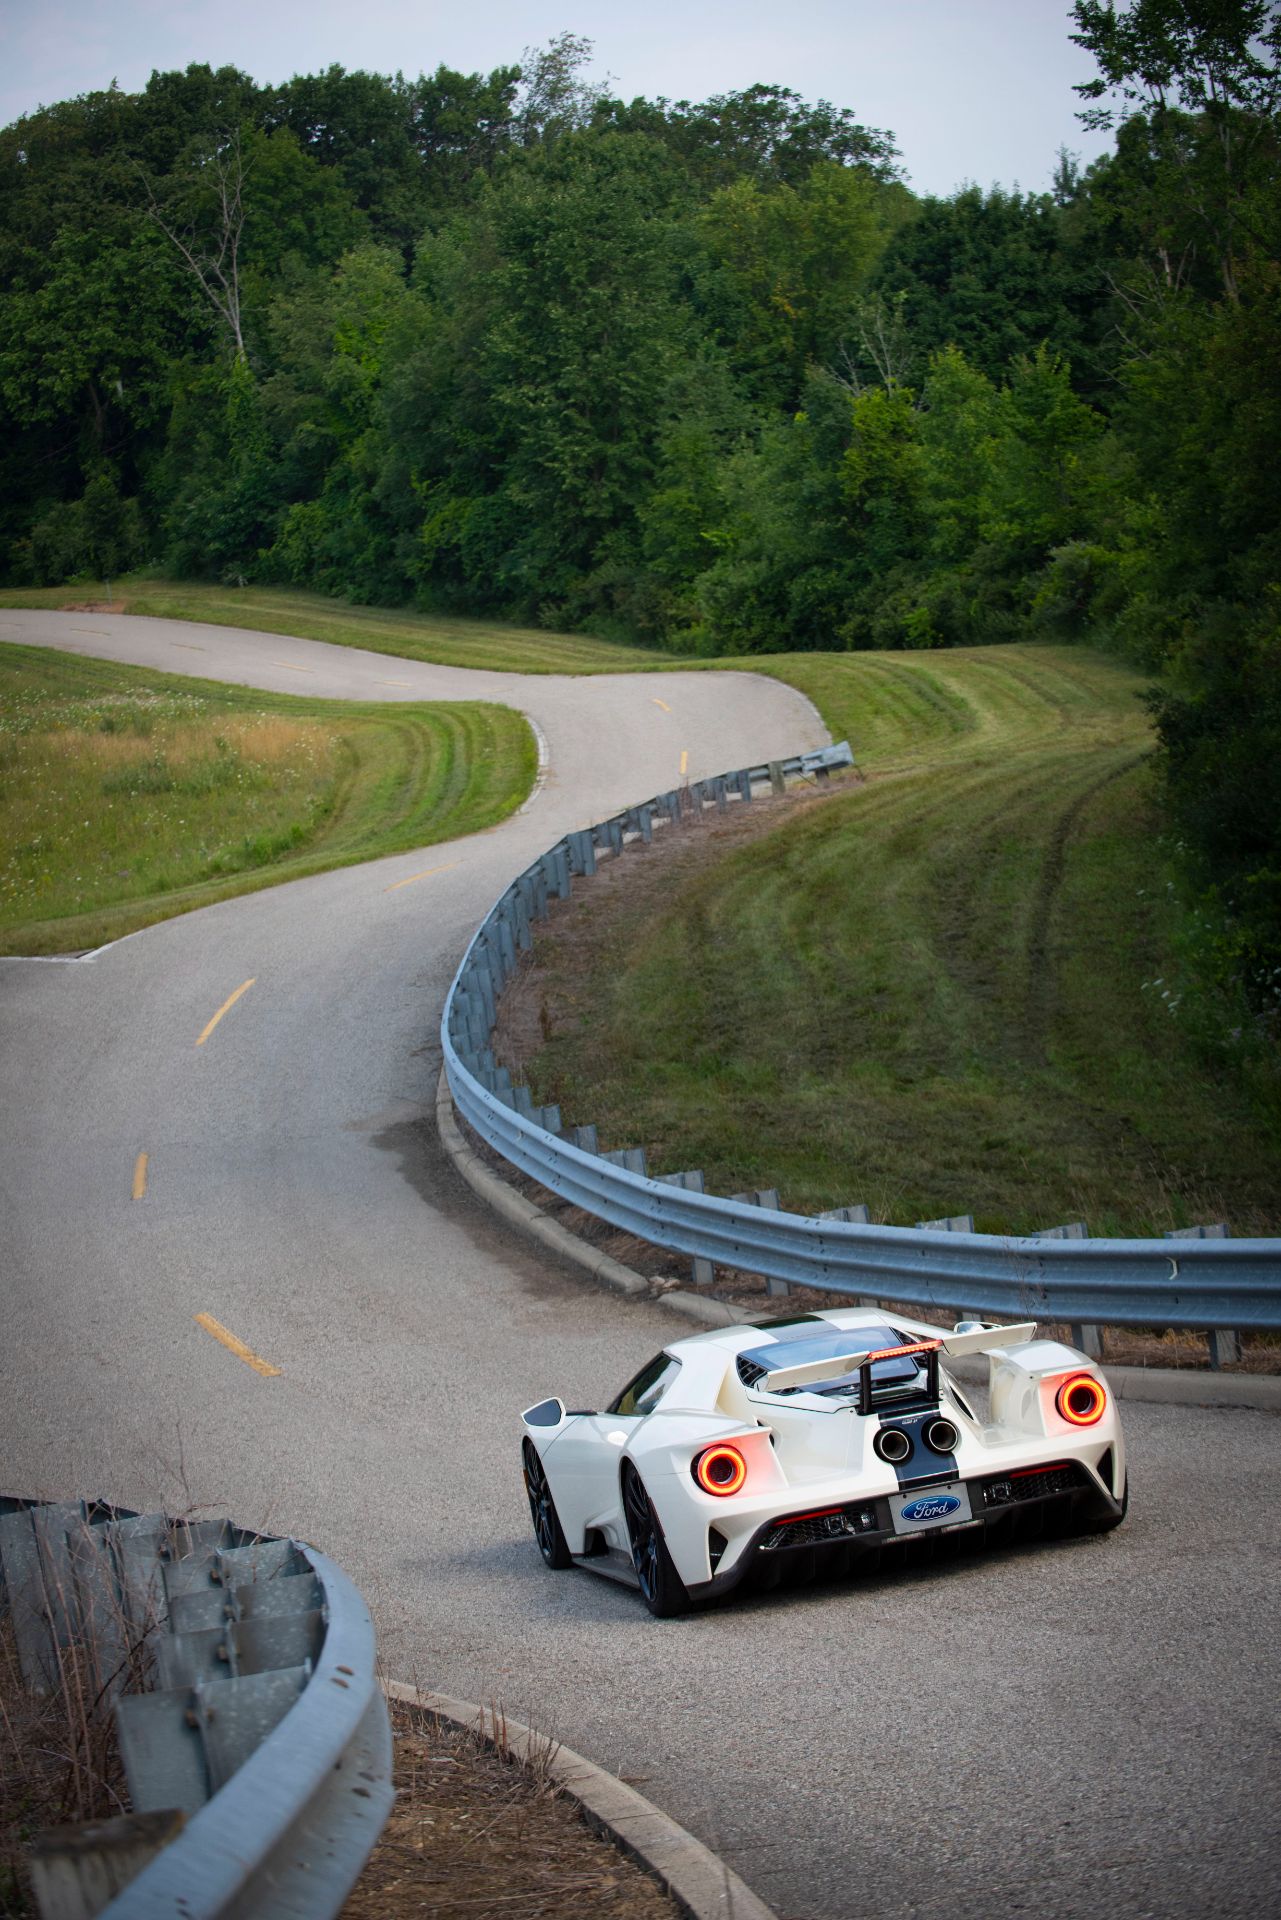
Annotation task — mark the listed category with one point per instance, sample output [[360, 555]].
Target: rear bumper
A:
[[1003, 1507]]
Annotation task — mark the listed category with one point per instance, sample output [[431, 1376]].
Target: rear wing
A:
[[954, 1345]]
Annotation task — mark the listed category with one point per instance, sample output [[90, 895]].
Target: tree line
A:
[[707, 376]]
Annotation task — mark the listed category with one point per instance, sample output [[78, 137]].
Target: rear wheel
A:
[[661, 1586], [542, 1508]]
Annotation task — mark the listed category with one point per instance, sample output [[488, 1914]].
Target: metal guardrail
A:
[[1210, 1284], [259, 1763]]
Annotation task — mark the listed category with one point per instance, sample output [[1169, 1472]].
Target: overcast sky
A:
[[973, 90]]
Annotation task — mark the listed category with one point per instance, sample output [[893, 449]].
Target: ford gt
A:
[[750, 1449]]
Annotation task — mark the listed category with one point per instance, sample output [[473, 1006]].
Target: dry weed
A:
[[476, 1832]]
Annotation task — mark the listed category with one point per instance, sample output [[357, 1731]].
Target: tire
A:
[[548, 1531], [661, 1586]]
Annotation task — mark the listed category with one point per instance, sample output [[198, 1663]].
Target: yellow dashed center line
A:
[[238, 1347], [186, 646], [426, 875], [226, 1007], [661, 703], [100, 631], [684, 762], [393, 683], [140, 1176], [289, 665]]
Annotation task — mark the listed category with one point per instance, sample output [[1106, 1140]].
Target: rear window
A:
[[801, 1350]]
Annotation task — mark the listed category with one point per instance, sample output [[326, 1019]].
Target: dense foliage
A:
[[707, 376]]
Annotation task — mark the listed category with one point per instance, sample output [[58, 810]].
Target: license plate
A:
[[947, 1506]]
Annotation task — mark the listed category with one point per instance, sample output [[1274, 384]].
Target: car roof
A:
[[788, 1328]]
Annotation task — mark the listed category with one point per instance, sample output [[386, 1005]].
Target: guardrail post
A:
[[953, 1223], [776, 779], [1224, 1342], [555, 871], [1087, 1335], [582, 852], [483, 985], [704, 1271], [630, 1158], [858, 1215], [77, 1871], [742, 781], [584, 1138], [766, 1197]]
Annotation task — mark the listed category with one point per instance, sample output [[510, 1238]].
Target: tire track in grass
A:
[[1037, 994]]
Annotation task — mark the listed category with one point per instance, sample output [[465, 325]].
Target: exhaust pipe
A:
[[941, 1436], [892, 1444]]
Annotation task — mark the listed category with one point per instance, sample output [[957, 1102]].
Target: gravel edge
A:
[[699, 1882], [1169, 1386]]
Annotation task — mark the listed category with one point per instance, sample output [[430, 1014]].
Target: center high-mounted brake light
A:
[[721, 1470], [896, 1353], [1081, 1400]]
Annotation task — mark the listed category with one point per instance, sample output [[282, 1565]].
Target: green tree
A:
[[1205, 75], [996, 274], [785, 267], [531, 421], [765, 133]]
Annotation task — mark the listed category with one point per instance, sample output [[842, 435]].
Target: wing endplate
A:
[[985, 1339]]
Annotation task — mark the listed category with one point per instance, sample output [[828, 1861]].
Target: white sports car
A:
[[752, 1448]]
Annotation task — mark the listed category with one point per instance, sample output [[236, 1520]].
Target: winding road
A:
[[1062, 1730]]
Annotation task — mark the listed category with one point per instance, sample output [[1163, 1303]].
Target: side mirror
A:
[[548, 1413]]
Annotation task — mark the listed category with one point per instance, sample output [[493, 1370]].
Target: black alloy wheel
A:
[[661, 1586], [547, 1528]]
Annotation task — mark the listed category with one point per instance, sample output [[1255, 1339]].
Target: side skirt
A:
[[613, 1563]]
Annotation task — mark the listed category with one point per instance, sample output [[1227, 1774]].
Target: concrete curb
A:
[[522, 1213], [1168, 1386], [701, 1884]]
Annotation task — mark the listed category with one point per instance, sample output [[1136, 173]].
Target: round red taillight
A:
[[720, 1470], [1081, 1400]]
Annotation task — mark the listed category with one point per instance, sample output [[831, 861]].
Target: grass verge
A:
[[474, 1832], [127, 796], [937, 992], [451, 642]]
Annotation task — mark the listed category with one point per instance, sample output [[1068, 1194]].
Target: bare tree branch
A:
[[213, 258]]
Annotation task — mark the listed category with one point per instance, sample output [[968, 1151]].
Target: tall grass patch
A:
[[127, 795]]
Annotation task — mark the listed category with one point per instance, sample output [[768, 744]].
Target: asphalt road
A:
[[1063, 1730]]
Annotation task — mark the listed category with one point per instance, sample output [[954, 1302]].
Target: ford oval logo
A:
[[935, 1506]]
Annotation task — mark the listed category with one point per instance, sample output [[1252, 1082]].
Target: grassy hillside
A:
[[941, 991], [127, 796]]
